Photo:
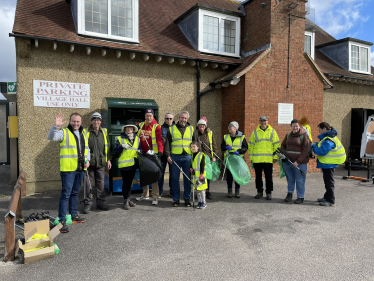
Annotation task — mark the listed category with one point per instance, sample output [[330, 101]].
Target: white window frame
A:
[[135, 23], [221, 17], [312, 42], [359, 57]]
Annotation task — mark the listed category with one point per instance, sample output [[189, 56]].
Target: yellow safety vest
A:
[[69, 152], [86, 132], [309, 131], [196, 167], [237, 143], [262, 145], [126, 159], [154, 142], [210, 136], [334, 156], [179, 142]]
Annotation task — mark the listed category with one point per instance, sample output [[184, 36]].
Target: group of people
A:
[[185, 149]]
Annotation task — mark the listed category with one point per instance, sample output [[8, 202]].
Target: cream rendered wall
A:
[[337, 105], [172, 86]]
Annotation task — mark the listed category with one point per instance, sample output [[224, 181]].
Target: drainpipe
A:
[[289, 50], [200, 94]]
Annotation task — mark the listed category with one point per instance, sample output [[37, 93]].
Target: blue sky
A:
[[340, 18]]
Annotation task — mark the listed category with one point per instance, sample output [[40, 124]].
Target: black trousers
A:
[[268, 171], [230, 179], [328, 178], [127, 178]]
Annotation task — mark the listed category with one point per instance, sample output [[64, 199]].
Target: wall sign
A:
[[11, 88], [285, 113], [61, 94]]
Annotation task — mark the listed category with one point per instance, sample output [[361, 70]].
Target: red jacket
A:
[[147, 131]]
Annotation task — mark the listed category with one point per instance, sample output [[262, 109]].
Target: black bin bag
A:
[[150, 169]]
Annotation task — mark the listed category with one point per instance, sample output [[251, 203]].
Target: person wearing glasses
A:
[[169, 121]]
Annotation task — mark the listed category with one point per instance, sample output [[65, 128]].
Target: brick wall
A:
[[265, 85]]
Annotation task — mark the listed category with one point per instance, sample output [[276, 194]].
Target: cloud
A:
[[7, 46], [339, 16]]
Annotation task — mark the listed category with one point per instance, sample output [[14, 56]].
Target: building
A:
[[221, 59]]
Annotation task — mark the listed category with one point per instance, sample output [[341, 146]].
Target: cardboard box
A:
[[41, 227]]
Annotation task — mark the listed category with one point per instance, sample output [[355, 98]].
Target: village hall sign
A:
[[61, 94]]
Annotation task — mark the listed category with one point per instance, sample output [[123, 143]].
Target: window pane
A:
[[96, 7], [104, 18], [364, 59], [228, 32], [88, 5], [88, 16], [210, 33], [122, 17], [88, 26], [307, 44], [104, 29], [104, 8], [114, 30], [355, 58], [96, 17], [96, 27]]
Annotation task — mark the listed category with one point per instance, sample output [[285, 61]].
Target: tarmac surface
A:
[[232, 239]]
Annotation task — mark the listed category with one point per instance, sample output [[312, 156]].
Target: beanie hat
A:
[[201, 122], [96, 115], [204, 118], [150, 110], [234, 124]]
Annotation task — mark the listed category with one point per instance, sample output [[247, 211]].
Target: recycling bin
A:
[[115, 111]]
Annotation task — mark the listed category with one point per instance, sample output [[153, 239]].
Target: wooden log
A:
[[10, 238]]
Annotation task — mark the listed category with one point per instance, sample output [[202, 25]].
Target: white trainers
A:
[[141, 198], [154, 202]]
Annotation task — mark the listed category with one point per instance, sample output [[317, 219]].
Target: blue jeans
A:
[[161, 180], [293, 175], [71, 184], [183, 161]]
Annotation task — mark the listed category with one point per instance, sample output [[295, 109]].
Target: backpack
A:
[[310, 153]]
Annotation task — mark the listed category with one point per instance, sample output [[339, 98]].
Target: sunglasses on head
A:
[[169, 118]]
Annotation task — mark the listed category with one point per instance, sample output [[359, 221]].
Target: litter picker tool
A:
[[85, 178], [46, 215], [150, 151], [227, 159], [282, 155], [196, 184], [19, 227], [211, 150]]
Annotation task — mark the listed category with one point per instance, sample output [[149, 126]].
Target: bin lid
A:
[[131, 103], [367, 142]]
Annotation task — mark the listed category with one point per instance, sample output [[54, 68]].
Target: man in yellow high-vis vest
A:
[[98, 142], [261, 146], [74, 159], [178, 150]]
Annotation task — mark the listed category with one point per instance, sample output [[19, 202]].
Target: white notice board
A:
[[285, 113], [61, 94]]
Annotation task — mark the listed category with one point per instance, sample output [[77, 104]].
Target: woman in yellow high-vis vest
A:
[[331, 154], [234, 143], [126, 145]]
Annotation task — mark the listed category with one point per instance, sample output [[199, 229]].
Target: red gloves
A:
[[191, 171], [201, 177]]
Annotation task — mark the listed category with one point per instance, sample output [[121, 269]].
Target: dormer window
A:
[[218, 33], [359, 58], [109, 19], [309, 43]]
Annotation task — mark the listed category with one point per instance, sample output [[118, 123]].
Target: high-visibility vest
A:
[[262, 145], [334, 156], [309, 132], [69, 152], [210, 136], [179, 142], [237, 143], [126, 159], [154, 141], [86, 132], [196, 167]]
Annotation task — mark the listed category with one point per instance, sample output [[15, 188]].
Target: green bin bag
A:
[[208, 165], [282, 173], [213, 169], [239, 169]]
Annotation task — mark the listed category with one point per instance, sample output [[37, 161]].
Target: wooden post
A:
[[14, 211]]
